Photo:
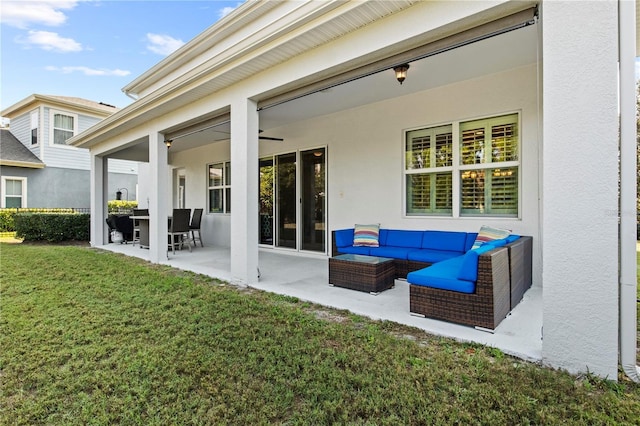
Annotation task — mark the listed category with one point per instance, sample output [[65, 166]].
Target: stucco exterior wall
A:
[[580, 167]]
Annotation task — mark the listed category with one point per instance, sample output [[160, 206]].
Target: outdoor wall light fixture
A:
[[401, 72], [119, 193], [167, 142]]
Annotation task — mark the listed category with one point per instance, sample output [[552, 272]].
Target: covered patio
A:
[[306, 277]]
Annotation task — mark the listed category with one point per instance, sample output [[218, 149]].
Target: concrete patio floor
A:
[[306, 277]]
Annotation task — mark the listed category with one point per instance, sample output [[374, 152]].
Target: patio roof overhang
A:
[[319, 26]]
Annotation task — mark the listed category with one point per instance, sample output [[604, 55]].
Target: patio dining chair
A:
[[194, 226], [179, 229]]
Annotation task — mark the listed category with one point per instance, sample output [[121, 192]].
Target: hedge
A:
[[52, 227], [7, 222], [115, 206]]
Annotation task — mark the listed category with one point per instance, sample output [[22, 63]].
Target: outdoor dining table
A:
[[143, 225]]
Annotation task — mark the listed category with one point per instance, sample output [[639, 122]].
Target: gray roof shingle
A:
[[14, 153]]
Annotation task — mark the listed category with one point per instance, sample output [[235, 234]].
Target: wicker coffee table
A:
[[363, 273]]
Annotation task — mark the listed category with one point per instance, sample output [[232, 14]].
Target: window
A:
[[34, 127], [485, 164], [63, 128], [429, 170], [14, 192], [220, 187]]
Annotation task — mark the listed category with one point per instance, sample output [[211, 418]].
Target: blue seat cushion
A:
[[344, 237], [444, 240], [392, 252], [355, 250], [469, 267], [432, 256], [442, 275], [401, 238]]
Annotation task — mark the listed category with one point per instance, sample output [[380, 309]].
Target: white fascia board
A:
[[199, 45], [32, 100]]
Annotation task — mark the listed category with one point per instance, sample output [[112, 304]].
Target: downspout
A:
[[627, 232]]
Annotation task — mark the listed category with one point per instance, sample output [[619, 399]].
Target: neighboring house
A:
[[37, 166], [509, 115]]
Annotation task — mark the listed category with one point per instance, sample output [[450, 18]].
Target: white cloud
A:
[[162, 44], [227, 10], [89, 71], [47, 40], [22, 14]]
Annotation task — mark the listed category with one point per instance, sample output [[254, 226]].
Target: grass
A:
[[90, 337]]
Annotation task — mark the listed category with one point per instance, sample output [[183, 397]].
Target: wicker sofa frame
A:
[[485, 308]]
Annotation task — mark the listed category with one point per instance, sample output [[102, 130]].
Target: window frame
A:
[[35, 113], [457, 168], [3, 189], [52, 128], [224, 187], [432, 169]]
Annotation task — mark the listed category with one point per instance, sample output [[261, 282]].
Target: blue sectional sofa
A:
[[447, 279]]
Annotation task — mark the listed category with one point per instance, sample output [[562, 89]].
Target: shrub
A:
[[52, 227], [115, 206], [7, 222]]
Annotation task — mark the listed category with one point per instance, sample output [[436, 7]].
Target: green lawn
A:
[[90, 337]]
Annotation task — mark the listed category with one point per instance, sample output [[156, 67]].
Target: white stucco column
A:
[[159, 191], [580, 186], [244, 191], [99, 233]]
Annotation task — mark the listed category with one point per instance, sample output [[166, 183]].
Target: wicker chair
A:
[[485, 308]]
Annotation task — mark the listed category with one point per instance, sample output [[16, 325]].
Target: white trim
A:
[[3, 201], [223, 187], [52, 113], [628, 268], [37, 127]]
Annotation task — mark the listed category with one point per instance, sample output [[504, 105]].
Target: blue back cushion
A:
[[511, 238], [382, 237], [471, 238], [344, 237], [444, 240], [469, 267], [399, 238]]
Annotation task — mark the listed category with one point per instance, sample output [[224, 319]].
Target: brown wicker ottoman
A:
[[363, 273]]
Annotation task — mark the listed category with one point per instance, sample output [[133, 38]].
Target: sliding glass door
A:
[[292, 200], [286, 205], [313, 199]]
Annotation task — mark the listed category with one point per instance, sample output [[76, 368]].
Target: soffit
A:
[[219, 73]]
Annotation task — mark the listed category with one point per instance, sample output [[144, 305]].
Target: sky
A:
[[92, 48]]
